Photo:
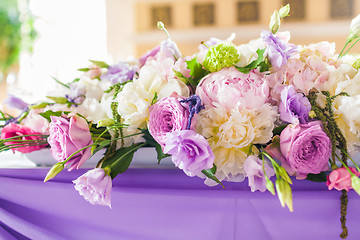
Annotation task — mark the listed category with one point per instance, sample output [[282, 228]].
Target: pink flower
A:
[[167, 115], [255, 174], [228, 86], [68, 135], [340, 179], [305, 149], [17, 130], [95, 186]]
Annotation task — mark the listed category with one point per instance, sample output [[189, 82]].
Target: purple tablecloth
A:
[[165, 204]]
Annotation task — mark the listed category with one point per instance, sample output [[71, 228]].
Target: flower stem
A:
[[340, 55], [343, 213]]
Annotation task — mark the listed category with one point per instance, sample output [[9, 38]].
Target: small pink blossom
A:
[[340, 179]]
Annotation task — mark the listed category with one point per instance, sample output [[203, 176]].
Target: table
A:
[[166, 204]]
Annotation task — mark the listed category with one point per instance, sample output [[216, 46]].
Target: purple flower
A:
[[14, 102], [255, 174], [68, 135], [95, 186], [194, 105], [305, 148], [190, 151], [277, 50], [148, 55], [77, 93], [167, 115], [119, 73], [294, 106]]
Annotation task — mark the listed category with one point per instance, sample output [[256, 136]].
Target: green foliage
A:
[[256, 63], [210, 173], [152, 143], [50, 113]]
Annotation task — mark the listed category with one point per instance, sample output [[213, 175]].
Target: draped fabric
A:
[[166, 204]]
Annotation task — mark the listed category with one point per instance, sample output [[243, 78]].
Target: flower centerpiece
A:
[[261, 110]]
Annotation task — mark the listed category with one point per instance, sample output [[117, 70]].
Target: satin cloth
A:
[[166, 204]]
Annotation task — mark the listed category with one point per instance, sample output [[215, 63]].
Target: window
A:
[[204, 14], [163, 14], [297, 9], [247, 11], [341, 9]]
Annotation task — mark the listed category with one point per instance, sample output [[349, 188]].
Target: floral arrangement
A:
[[261, 110]]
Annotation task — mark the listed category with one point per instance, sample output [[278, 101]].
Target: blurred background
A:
[[41, 39]]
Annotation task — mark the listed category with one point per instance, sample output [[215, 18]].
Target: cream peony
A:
[[231, 133]]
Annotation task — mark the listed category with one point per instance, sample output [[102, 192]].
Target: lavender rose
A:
[[305, 149], [190, 151], [118, 73], [294, 106], [95, 186], [167, 115], [68, 135], [253, 168]]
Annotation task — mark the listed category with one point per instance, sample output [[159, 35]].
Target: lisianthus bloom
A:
[[294, 106], [253, 168], [95, 186], [14, 102], [77, 93], [16, 130], [305, 148], [189, 151], [340, 179], [119, 73], [228, 87], [68, 135], [277, 50], [167, 115], [354, 29]]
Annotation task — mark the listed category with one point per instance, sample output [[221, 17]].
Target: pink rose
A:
[[305, 149], [68, 135], [228, 87], [17, 130], [340, 179], [167, 115]]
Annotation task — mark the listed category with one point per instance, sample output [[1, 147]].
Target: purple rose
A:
[[305, 149], [294, 106], [95, 186], [253, 168], [167, 115], [277, 50], [118, 73], [68, 135], [190, 151]]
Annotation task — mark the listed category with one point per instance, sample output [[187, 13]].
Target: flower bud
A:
[[282, 172], [270, 186], [284, 193], [354, 29], [284, 11], [105, 122], [274, 22], [55, 170], [355, 183]]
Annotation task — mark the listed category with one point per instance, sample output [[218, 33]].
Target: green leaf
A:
[[39, 106], [61, 83], [278, 130], [50, 113], [160, 154], [196, 71], [210, 173], [181, 77], [121, 160], [100, 64], [83, 69], [60, 100], [254, 64], [154, 100], [320, 177]]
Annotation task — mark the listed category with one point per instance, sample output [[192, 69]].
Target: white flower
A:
[[136, 97], [92, 110], [231, 133]]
